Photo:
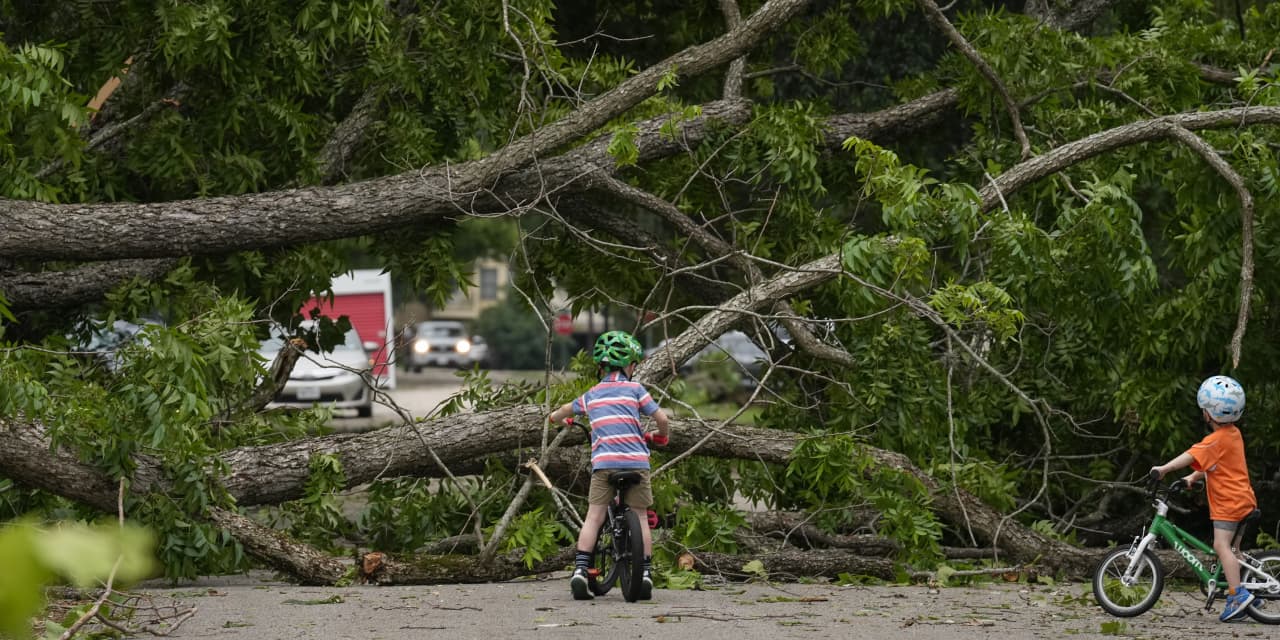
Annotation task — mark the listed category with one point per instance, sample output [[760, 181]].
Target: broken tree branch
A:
[[1224, 169], [940, 21], [732, 78], [1072, 153]]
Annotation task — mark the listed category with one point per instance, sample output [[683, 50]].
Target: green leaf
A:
[[755, 568], [85, 555], [669, 79], [622, 146], [22, 581]]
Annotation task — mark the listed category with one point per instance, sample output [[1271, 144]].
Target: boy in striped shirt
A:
[[618, 443]]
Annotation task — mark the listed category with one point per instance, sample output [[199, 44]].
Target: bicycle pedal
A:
[[593, 572], [1208, 602]]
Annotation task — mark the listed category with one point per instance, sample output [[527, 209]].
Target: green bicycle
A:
[[1129, 580]]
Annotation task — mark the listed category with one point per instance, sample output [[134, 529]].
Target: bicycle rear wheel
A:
[[1134, 597], [605, 565], [1265, 607], [631, 561]]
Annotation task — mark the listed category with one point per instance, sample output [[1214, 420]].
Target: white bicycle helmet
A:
[[1222, 397]]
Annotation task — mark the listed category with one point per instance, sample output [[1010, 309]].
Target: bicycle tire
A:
[[631, 562], [1126, 601], [605, 561], [1265, 607]]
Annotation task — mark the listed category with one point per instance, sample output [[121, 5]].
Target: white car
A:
[[336, 378], [445, 343]]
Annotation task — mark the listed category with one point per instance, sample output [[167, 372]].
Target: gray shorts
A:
[[1226, 525]]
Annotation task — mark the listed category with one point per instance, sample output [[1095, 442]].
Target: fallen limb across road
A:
[[276, 473]]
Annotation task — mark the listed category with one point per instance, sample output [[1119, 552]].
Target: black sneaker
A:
[[578, 584], [646, 587]]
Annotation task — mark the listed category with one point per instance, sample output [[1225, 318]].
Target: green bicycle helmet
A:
[[616, 349]]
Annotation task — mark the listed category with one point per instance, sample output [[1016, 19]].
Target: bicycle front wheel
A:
[[605, 561], [1265, 607], [1128, 597], [631, 561]]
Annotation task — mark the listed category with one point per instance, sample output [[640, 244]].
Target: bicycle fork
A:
[[1136, 551]]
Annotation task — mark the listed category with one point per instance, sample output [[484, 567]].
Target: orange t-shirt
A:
[[1221, 457]]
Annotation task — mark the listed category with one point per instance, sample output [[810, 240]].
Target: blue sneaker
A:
[[579, 586], [1236, 605], [646, 586]]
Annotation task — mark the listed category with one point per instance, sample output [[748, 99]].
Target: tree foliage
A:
[[1028, 325]]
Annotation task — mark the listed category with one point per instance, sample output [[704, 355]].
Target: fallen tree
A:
[[966, 314], [277, 473]]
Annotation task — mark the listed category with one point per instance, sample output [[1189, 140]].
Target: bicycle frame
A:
[[1181, 541], [616, 515]]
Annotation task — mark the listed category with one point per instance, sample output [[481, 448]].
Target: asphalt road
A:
[[418, 393], [259, 606], [256, 607]]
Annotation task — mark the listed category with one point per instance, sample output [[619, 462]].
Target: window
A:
[[488, 283]]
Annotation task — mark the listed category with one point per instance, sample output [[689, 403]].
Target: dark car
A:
[[735, 346]]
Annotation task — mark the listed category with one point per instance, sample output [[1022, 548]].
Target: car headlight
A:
[[462, 347], [421, 346]]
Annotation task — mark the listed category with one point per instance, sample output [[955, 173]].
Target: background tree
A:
[[1006, 242]]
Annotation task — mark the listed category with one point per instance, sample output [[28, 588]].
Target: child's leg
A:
[[579, 582], [1222, 536], [591, 526], [646, 535]]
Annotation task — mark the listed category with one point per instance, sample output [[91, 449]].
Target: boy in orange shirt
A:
[[1219, 459]]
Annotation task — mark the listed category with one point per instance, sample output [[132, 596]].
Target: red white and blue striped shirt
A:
[[614, 406]]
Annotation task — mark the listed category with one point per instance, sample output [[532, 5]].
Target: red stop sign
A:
[[564, 324]]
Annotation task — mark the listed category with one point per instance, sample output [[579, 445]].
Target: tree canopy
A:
[[991, 248]]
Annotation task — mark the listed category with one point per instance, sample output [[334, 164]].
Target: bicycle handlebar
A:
[[1177, 486], [570, 422]]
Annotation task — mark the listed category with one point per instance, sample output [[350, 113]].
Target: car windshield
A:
[[439, 331], [350, 342]]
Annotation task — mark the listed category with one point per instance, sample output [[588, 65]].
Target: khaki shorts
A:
[[639, 496]]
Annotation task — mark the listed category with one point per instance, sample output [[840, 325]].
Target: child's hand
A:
[[655, 439]]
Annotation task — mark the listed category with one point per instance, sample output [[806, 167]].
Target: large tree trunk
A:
[[276, 473]]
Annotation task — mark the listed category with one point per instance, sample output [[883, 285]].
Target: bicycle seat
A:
[[623, 480]]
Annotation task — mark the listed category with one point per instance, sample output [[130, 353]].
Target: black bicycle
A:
[[619, 552]]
